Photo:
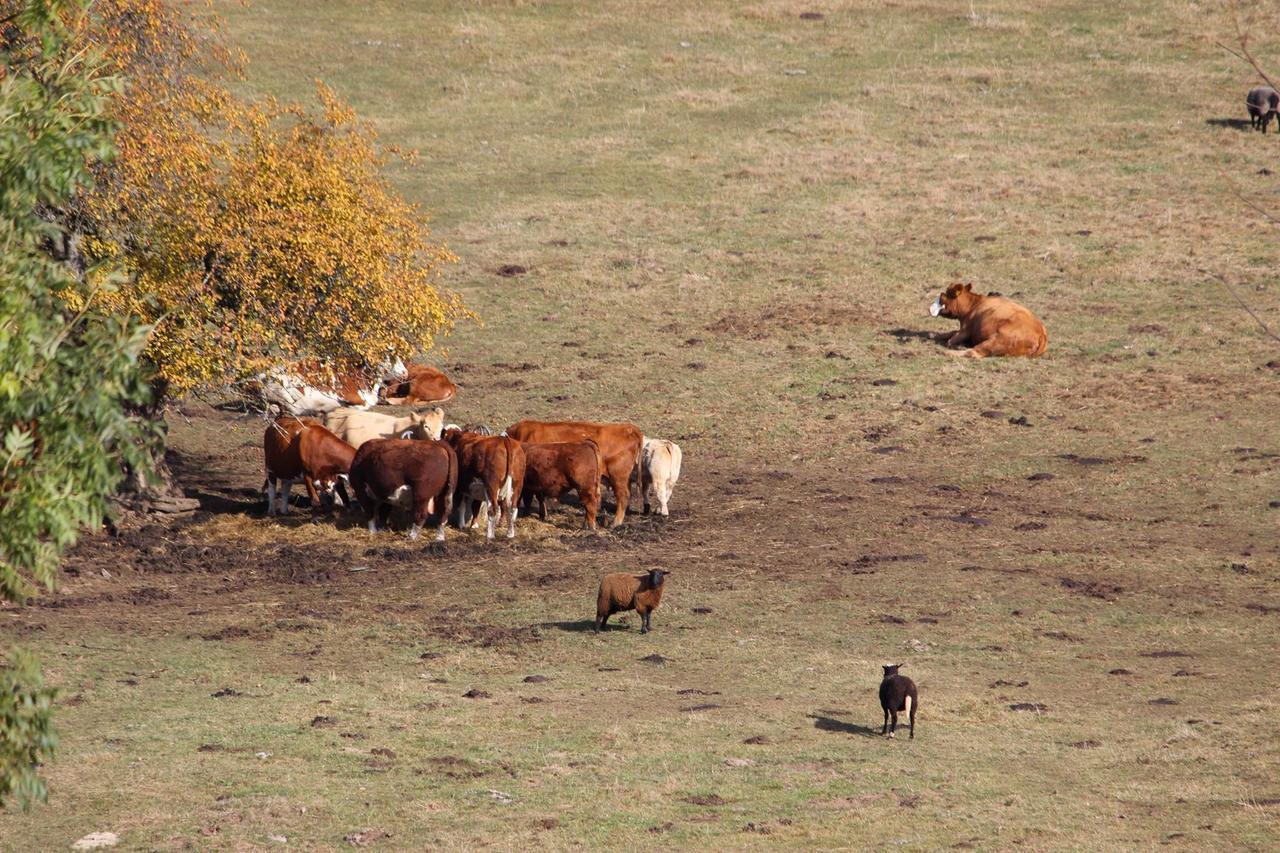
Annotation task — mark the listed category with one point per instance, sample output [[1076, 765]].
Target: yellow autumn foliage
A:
[[252, 232]]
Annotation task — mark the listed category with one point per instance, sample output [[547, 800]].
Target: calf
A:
[[421, 474], [356, 426], [1263, 103], [619, 446], [421, 385], [303, 449], [989, 324], [897, 693], [495, 464], [551, 469], [659, 470]]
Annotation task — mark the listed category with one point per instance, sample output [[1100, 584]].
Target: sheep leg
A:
[[893, 722], [644, 622], [913, 721], [884, 730], [601, 622]]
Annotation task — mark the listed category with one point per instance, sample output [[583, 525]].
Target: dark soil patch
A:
[[1040, 477], [1163, 700], [1093, 589], [1038, 707], [1166, 653], [891, 620], [710, 706], [1003, 683], [1086, 744], [966, 518], [323, 722], [226, 691], [1030, 525], [701, 611], [476, 693], [888, 481], [548, 823], [1061, 635], [1119, 672], [511, 270], [812, 16], [654, 658], [706, 800], [758, 740], [453, 767], [694, 691], [535, 679]]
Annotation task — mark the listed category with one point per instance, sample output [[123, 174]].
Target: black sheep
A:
[[897, 693], [1263, 103]]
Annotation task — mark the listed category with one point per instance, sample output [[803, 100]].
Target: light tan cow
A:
[[659, 469], [356, 426]]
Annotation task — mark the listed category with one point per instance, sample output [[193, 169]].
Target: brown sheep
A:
[[620, 591]]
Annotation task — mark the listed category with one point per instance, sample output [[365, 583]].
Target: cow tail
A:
[[451, 486], [507, 485]]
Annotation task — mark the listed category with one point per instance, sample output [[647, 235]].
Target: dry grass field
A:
[[733, 217]]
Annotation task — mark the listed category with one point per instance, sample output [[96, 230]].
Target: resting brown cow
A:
[[619, 448], [303, 449], [555, 468], [423, 386], [495, 465], [421, 474]]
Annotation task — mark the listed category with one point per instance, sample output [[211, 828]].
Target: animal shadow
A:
[[939, 338], [578, 626], [1233, 123], [830, 724]]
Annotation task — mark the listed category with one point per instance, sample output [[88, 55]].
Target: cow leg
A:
[[286, 486], [645, 483], [542, 507], [622, 495], [664, 495], [463, 505], [490, 516], [445, 509], [591, 504], [511, 512], [271, 496], [312, 494]]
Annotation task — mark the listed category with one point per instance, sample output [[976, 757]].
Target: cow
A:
[[989, 325], [491, 469], [310, 387], [422, 475], [357, 426], [659, 469], [420, 386], [553, 468], [619, 446], [303, 449]]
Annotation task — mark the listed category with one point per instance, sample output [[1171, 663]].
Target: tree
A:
[[253, 232], [67, 368]]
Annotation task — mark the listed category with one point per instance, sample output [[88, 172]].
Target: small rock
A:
[[500, 796], [739, 762], [278, 839], [94, 840], [1021, 420], [323, 722], [262, 756], [702, 611]]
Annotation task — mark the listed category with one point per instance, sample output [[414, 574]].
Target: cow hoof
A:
[[440, 536], [511, 535], [890, 734]]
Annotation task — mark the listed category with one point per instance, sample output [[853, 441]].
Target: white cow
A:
[[660, 469], [356, 426], [286, 388]]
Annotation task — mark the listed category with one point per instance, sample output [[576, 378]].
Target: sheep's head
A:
[[890, 669], [954, 302], [656, 576]]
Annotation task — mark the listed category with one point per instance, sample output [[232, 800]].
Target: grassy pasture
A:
[[733, 220]]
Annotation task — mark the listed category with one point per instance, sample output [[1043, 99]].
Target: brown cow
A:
[[495, 466], [558, 467], [423, 385], [990, 324], [619, 447], [303, 449], [421, 474]]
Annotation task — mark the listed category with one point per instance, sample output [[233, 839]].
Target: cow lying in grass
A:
[[989, 325]]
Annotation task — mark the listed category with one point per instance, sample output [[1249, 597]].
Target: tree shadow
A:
[[830, 724], [1232, 123]]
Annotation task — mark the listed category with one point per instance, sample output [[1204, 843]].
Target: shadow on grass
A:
[[579, 626], [939, 338], [1233, 123], [830, 724]]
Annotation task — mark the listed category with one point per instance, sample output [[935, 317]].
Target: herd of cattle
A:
[[420, 463]]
